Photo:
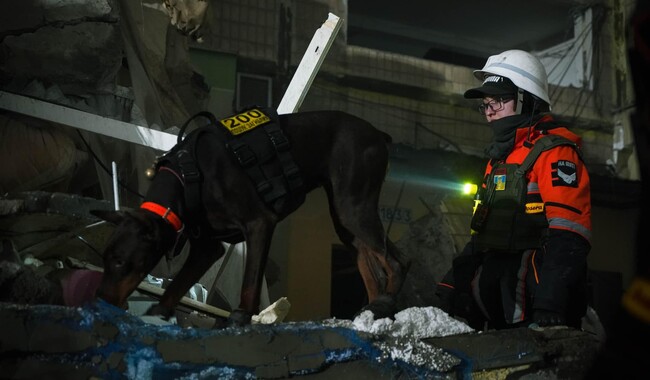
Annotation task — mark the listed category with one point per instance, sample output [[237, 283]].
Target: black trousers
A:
[[500, 287], [503, 288]]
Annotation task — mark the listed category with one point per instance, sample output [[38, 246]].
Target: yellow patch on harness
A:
[[245, 121]]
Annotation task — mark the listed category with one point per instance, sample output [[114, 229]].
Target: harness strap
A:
[[192, 180], [165, 213], [168, 169], [545, 143], [250, 163], [282, 146]]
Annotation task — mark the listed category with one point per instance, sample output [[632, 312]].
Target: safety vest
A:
[[504, 216]]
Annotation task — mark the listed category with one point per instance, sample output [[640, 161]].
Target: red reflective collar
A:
[[166, 213]]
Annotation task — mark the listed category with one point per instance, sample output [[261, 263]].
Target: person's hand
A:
[[543, 318]]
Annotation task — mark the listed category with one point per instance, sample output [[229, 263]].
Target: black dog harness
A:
[[262, 149], [256, 140]]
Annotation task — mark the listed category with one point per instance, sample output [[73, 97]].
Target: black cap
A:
[[492, 85]]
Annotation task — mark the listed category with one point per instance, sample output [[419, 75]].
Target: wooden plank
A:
[[157, 292]]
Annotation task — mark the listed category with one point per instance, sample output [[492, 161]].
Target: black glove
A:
[[446, 295], [543, 318]]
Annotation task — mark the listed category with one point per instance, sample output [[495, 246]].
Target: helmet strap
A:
[[519, 105], [527, 142]]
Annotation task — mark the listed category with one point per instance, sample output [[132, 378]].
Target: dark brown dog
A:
[[345, 155]]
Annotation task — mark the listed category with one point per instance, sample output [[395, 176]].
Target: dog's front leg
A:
[[258, 242], [203, 253]]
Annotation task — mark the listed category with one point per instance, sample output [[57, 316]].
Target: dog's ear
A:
[[111, 216]]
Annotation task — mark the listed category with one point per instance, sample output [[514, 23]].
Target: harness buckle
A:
[[279, 140], [189, 170], [244, 155], [192, 175], [292, 172], [263, 187]]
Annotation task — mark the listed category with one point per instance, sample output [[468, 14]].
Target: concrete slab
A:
[[102, 341], [554, 352], [106, 342]]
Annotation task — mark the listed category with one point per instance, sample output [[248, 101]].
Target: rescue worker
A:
[[527, 259]]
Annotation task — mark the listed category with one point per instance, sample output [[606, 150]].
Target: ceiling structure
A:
[[463, 32]]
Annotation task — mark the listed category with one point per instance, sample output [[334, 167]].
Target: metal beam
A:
[[309, 65], [87, 121]]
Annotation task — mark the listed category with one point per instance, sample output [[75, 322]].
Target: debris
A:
[[275, 313], [417, 322]]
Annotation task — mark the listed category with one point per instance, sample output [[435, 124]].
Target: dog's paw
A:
[[239, 318], [162, 311]]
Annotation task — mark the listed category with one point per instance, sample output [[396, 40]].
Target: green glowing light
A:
[[470, 188]]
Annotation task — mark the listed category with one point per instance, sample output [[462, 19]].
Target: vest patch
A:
[[564, 173], [500, 182], [245, 121], [534, 208], [500, 176]]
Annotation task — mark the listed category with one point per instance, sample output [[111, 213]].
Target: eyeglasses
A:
[[495, 105]]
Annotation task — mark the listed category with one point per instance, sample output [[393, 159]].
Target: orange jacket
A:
[[559, 176]]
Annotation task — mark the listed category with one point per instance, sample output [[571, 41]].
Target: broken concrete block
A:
[[102, 341], [277, 370], [80, 57], [306, 362]]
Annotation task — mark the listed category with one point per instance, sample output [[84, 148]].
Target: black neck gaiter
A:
[[503, 138]]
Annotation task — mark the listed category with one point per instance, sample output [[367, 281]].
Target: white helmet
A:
[[522, 68]]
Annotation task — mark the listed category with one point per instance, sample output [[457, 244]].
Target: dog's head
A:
[[137, 244]]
